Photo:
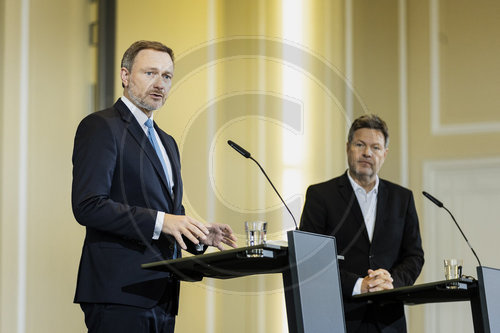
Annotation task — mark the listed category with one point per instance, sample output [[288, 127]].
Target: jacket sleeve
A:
[[314, 214], [95, 157], [314, 219], [411, 254]]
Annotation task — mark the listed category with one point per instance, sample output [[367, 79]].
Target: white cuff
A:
[[158, 225], [357, 287]]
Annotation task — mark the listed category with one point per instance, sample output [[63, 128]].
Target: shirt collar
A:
[[138, 114], [356, 187]]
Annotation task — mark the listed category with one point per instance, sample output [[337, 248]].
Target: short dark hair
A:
[[134, 49], [371, 121]]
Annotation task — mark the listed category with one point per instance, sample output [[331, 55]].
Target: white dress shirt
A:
[[368, 203], [141, 119]]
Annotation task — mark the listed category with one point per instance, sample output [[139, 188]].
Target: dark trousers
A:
[[368, 328], [376, 318], [116, 318]]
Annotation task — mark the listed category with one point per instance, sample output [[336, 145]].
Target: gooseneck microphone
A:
[[240, 150], [440, 205], [246, 154]]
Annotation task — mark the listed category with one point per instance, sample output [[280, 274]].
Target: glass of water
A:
[[256, 234], [453, 270]]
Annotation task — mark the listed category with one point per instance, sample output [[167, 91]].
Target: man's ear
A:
[[125, 76]]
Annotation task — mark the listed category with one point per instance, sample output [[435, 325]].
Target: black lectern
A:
[[310, 271], [483, 294], [489, 298]]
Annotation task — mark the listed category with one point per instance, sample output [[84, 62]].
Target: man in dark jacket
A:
[[375, 225], [127, 192]]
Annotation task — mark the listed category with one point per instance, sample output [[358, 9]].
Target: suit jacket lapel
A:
[[175, 164], [136, 131], [381, 210], [348, 195]]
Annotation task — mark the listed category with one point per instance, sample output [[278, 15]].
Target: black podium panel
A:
[[312, 285], [489, 295]]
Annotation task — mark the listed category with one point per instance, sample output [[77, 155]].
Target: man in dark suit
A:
[[127, 192], [375, 225]]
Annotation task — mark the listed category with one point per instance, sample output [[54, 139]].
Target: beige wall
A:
[[255, 94], [428, 67], [454, 130], [45, 89]]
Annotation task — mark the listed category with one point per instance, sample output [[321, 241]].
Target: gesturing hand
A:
[[219, 234], [377, 280], [178, 225]]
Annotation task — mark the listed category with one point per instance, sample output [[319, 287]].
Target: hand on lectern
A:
[[183, 225], [219, 234], [377, 280]]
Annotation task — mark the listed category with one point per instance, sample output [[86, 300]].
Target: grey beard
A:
[[140, 103]]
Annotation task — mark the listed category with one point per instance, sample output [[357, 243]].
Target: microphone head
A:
[[238, 148], [434, 200]]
